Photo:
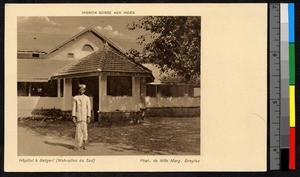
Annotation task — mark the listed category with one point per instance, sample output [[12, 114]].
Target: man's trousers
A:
[[81, 133]]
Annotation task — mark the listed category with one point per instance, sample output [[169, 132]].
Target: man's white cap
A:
[[82, 86]]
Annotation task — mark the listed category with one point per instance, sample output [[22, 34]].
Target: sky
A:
[[114, 28]]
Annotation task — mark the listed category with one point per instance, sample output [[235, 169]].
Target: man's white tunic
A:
[[81, 110]]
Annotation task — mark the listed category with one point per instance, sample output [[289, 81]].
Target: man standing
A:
[[81, 114]]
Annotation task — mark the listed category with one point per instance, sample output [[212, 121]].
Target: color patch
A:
[[292, 106], [292, 63], [291, 10], [292, 154]]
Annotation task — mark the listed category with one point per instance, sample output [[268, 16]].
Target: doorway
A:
[[92, 90]]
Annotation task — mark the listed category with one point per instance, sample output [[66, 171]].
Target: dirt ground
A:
[[154, 136]]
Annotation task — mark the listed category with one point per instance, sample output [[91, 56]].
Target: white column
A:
[[136, 92], [29, 89], [158, 95], [67, 99], [58, 87], [102, 93], [142, 92], [186, 91]]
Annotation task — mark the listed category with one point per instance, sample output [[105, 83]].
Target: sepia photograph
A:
[[108, 85], [135, 87]]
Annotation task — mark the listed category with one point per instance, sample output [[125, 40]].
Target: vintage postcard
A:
[[135, 87]]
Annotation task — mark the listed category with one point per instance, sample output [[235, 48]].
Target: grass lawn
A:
[[162, 136]]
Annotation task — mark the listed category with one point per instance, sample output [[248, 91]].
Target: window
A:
[[43, 89], [166, 90], [151, 90], [173, 90], [191, 91], [178, 90], [119, 85], [88, 48], [70, 55], [35, 55], [37, 89], [23, 89]]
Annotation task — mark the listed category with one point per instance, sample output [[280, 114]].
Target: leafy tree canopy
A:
[[170, 42]]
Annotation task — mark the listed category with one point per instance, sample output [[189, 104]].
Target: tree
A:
[[170, 42]]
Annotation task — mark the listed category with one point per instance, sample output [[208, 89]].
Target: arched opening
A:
[[88, 48]]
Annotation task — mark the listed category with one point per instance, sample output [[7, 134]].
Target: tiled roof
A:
[[105, 60], [39, 70], [39, 42]]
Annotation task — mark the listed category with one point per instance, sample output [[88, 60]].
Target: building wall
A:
[[172, 102], [120, 103], [123, 103], [76, 47], [175, 96], [27, 104]]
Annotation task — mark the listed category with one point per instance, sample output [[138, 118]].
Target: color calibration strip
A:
[[282, 86], [287, 87], [292, 124]]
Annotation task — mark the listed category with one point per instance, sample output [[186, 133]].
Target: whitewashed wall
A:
[[76, 47], [172, 102], [27, 104], [121, 103]]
